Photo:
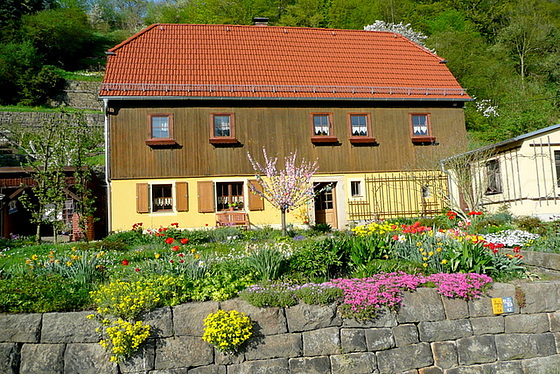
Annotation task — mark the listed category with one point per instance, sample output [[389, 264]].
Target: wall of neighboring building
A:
[[429, 334], [529, 178]]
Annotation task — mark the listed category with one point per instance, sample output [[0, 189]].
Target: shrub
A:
[[227, 331], [530, 224], [268, 259], [274, 294], [318, 259]]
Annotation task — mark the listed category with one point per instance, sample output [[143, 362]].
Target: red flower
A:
[[176, 224], [394, 227], [165, 229], [171, 261], [184, 241], [395, 237], [494, 251], [137, 269], [176, 248], [160, 229], [125, 262], [169, 240], [181, 254], [516, 249], [206, 224], [181, 261]]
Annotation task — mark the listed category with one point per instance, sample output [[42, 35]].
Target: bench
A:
[[232, 219]]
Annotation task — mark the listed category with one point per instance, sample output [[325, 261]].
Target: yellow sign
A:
[[498, 305]]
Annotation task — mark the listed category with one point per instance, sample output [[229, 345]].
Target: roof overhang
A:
[[222, 98]]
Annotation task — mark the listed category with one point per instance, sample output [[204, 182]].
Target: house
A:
[[15, 220], [185, 104], [521, 174]]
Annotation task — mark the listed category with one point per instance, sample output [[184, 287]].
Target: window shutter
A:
[[182, 196], [255, 201], [205, 197], [142, 198]]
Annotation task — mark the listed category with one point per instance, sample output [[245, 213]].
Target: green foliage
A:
[[38, 88], [31, 293], [322, 228], [268, 259], [319, 259], [365, 249], [469, 257], [387, 266]]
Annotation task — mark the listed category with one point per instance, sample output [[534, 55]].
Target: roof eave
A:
[[221, 98]]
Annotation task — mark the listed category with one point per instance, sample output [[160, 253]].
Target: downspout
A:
[[107, 163]]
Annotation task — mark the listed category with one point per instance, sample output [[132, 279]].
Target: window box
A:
[[323, 139], [423, 139], [363, 140]]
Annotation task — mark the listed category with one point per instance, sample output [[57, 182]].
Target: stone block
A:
[[213, 369], [542, 365], [488, 325], [501, 367], [379, 339], [475, 369], [353, 340], [354, 363], [142, 360], [20, 328], [455, 308], [42, 358], [554, 321], [430, 370], [275, 366], [445, 354], [424, 304], [534, 300], [482, 307], [557, 339], [266, 321], [188, 318], [160, 321], [444, 330], [183, 351], [321, 342], [274, 346], [88, 358], [304, 317], [521, 346], [310, 365], [476, 350], [221, 358], [399, 360], [527, 323], [9, 358], [384, 318], [405, 335], [73, 327]]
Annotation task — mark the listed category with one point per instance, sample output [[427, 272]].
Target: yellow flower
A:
[[34, 257], [27, 261], [425, 265], [425, 258], [438, 249], [431, 253], [157, 255], [73, 248], [444, 262], [69, 263]]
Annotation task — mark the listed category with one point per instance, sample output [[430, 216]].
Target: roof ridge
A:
[[133, 37]]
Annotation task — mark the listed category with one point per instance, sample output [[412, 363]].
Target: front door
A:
[[325, 204]]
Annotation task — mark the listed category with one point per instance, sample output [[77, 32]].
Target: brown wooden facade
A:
[[279, 126]]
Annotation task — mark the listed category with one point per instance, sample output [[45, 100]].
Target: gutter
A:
[[107, 163], [222, 98]]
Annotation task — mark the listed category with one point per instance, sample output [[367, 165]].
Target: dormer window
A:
[[322, 128], [160, 130]]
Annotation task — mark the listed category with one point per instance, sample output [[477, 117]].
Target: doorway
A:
[[325, 204]]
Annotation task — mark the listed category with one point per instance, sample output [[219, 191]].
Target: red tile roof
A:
[[275, 62]]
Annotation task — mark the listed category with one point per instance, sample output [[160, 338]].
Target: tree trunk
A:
[[38, 234], [283, 214]]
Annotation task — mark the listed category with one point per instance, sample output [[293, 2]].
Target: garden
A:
[[363, 268]]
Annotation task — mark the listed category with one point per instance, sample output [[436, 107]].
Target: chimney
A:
[[260, 21]]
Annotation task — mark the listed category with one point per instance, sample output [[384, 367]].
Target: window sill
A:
[[362, 140], [161, 142], [423, 139], [224, 140], [324, 139]]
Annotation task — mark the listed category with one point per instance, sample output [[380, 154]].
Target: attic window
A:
[[160, 130], [322, 128], [222, 128]]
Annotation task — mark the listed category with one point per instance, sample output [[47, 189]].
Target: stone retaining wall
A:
[[80, 94], [429, 334]]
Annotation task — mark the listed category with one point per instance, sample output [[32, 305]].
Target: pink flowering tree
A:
[[287, 188]]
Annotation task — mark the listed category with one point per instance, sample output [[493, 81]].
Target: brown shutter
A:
[[142, 198], [255, 201], [182, 195], [205, 197]]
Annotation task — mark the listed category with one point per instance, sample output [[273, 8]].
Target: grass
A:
[[41, 109]]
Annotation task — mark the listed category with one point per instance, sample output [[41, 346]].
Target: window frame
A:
[[360, 191], [421, 139], [330, 138], [557, 167], [152, 198], [214, 139], [494, 174], [360, 139], [240, 198], [151, 141]]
